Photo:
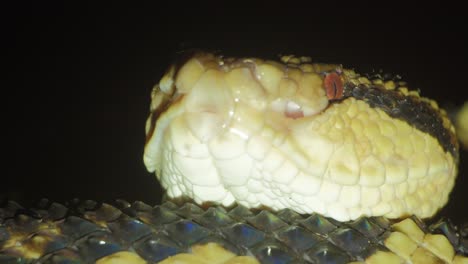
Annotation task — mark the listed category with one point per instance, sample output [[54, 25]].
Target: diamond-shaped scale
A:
[[266, 221], [289, 216], [158, 216], [140, 206], [318, 224], [46, 239], [85, 205], [133, 209], [298, 238], [189, 210], [240, 213], [23, 222], [9, 209], [215, 217], [157, 247], [326, 253], [187, 232], [170, 205], [368, 227], [382, 222], [243, 234], [76, 227], [269, 252], [105, 212], [50, 210], [349, 240], [96, 245], [128, 229]]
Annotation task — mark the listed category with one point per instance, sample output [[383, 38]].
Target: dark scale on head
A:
[[411, 109], [383, 76]]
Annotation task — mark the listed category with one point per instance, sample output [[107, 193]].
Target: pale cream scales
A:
[[263, 133]]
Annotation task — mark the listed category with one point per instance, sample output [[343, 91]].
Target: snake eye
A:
[[333, 86]]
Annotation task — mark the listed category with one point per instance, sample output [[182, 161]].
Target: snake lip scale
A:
[[295, 134]]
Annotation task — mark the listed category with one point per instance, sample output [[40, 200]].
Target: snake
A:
[[311, 137], [268, 161]]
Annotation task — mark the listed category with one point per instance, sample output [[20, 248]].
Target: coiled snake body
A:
[[310, 137], [325, 166]]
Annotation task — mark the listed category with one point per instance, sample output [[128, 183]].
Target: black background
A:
[[78, 77]]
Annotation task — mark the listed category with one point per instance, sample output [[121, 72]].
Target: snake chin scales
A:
[[268, 133]]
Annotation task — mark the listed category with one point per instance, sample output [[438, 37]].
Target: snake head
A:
[[300, 135], [216, 94]]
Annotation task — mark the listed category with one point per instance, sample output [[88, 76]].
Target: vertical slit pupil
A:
[[333, 86]]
